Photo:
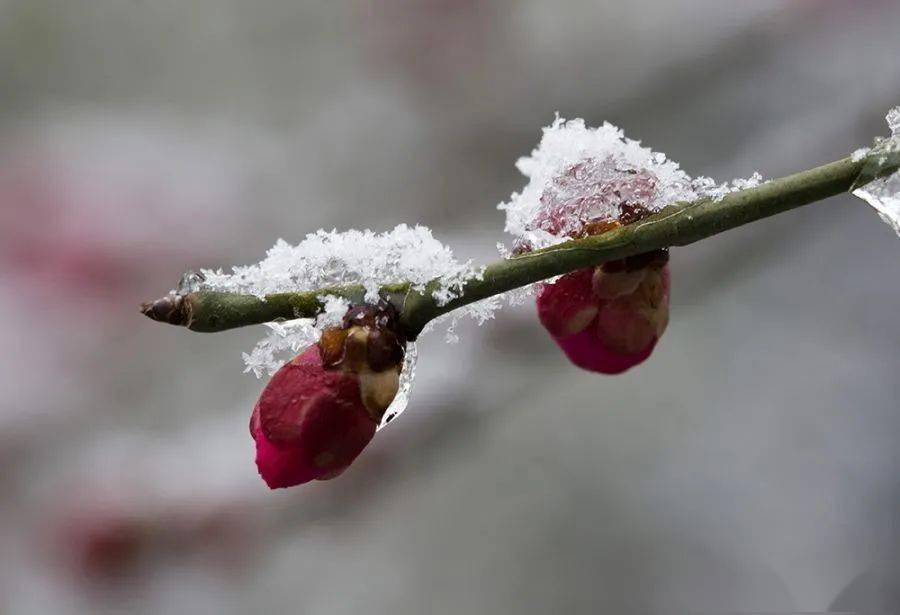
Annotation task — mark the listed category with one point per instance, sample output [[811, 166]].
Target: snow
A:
[[323, 259], [859, 154], [583, 173], [893, 121], [884, 194]]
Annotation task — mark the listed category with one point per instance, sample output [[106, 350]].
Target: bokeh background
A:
[[751, 465]]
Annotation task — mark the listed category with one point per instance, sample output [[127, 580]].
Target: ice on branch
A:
[[407, 374], [884, 194], [579, 175], [323, 259]]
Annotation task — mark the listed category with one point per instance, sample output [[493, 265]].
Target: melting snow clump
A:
[[580, 175], [884, 194]]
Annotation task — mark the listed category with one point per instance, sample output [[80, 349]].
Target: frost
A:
[[707, 186], [884, 194], [579, 175]]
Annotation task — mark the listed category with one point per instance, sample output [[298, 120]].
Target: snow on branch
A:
[[576, 175]]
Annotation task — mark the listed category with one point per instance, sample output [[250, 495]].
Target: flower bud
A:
[[309, 423], [630, 313], [322, 408], [609, 318]]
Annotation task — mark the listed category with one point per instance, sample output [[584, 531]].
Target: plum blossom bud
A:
[[309, 423], [322, 408], [606, 319], [628, 318]]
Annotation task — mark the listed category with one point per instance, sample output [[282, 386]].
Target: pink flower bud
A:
[[630, 313], [606, 319], [309, 423]]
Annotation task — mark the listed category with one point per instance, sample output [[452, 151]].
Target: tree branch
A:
[[679, 224]]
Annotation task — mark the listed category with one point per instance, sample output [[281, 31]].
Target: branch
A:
[[679, 224]]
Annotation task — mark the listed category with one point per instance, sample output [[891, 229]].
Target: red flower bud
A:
[[630, 313], [309, 423], [320, 410], [606, 319]]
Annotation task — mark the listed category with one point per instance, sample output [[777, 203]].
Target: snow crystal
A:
[[706, 187], [333, 311], [893, 121], [284, 337], [579, 175], [884, 194], [480, 311], [859, 154]]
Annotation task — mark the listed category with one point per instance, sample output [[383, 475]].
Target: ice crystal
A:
[[884, 194], [287, 337], [480, 311], [579, 175], [859, 154], [708, 188], [893, 121], [407, 374]]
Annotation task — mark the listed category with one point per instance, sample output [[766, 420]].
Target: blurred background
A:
[[751, 465]]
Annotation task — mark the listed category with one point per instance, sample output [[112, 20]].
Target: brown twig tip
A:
[[171, 309]]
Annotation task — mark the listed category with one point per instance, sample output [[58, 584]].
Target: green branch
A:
[[676, 225]]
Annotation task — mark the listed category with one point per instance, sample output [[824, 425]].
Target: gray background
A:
[[750, 465]]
